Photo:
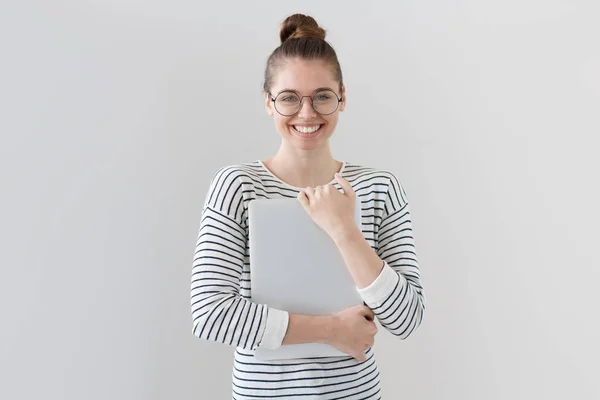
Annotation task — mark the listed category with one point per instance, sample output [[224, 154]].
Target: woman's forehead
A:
[[304, 76]]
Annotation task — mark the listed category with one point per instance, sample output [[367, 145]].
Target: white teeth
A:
[[307, 129]]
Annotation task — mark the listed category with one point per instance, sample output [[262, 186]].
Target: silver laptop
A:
[[295, 266]]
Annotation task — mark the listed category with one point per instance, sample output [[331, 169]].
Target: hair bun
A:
[[300, 26]]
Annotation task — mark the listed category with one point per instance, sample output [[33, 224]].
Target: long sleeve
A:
[[218, 310], [396, 296]]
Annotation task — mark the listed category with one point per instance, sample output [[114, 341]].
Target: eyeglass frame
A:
[[312, 104]]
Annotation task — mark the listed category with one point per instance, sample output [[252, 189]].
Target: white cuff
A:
[[277, 324], [381, 288]]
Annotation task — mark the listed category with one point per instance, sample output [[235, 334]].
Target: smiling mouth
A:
[[307, 131]]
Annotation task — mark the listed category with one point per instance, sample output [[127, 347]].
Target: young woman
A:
[[304, 93]]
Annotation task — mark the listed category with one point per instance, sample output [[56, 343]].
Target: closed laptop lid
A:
[[295, 266]]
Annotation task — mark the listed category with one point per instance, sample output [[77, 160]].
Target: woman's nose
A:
[[306, 108]]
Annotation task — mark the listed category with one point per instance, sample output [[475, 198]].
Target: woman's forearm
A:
[[361, 260], [308, 329]]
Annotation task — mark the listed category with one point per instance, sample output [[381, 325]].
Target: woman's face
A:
[[305, 77]]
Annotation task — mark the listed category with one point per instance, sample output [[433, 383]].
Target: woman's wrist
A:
[[310, 329], [349, 231], [330, 329]]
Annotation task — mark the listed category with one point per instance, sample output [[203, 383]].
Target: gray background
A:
[[116, 114]]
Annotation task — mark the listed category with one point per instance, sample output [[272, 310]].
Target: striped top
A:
[[221, 305]]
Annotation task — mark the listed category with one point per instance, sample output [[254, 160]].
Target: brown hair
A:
[[301, 37]]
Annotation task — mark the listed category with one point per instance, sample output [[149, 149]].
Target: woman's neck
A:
[[302, 170]]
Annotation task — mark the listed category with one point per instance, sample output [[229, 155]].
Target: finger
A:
[[303, 199], [360, 356], [374, 329], [348, 191], [310, 192]]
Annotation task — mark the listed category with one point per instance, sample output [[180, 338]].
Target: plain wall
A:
[[116, 114]]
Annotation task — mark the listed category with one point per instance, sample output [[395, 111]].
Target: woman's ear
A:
[[343, 102], [268, 104]]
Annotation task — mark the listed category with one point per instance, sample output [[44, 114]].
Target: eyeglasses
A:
[[288, 103]]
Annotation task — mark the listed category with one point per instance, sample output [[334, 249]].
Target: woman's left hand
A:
[[331, 210]]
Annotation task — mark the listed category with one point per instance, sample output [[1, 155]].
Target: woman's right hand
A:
[[353, 331]]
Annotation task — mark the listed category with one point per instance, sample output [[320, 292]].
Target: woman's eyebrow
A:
[[315, 91], [324, 88]]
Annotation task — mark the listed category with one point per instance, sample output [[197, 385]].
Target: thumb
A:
[[348, 191]]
